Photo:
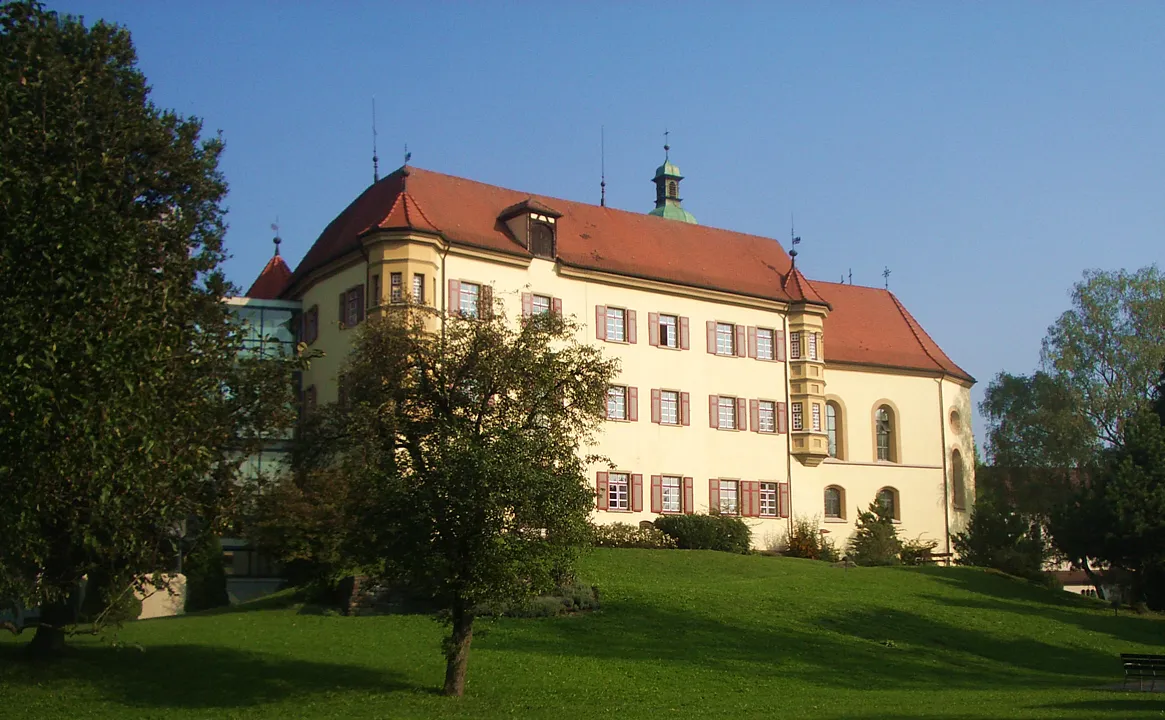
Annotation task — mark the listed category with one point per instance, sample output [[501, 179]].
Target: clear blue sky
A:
[[986, 152]]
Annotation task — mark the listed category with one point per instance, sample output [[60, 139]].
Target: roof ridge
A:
[[910, 323], [416, 203]]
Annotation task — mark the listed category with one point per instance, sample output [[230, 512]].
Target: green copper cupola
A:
[[667, 191]]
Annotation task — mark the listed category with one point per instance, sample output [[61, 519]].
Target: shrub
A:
[[1003, 539], [803, 539], [875, 541], [917, 552], [570, 598], [828, 551], [707, 532], [624, 535], [206, 581]]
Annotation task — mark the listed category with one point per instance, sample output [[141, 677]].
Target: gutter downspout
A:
[[788, 426], [946, 490]]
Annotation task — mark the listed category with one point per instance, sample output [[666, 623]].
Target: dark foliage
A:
[[875, 540], [707, 532]]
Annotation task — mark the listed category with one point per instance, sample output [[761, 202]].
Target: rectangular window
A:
[[726, 407], [812, 346], [672, 494], [418, 288], [616, 402], [669, 407], [764, 344], [798, 416], [616, 324], [311, 324], [768, 499], [767, 416], [396, 287], [374, 300], [540, 305], [468, 302], [352, 306], [795, 346], [725, 339], [816, 417], [669, 331], [729, 497], [618, 491]]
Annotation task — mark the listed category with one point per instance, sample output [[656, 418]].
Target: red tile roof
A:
[[865, 325], [272, 281]]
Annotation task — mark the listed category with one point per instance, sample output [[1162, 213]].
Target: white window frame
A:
[[617, 402], [768, 499], [418, 287], [816, 417], [616, 324], [726, 412], [797, 415], [669, 398], [541, 304], [669, 331], [766, 421], [469, 300], [725, 339], [671, 486], [729, 502], [795, 346], [813, 346], [766, 341], [619, 492], [395, 287]]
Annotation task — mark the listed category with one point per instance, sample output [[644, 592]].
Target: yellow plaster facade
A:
[[924, 434]]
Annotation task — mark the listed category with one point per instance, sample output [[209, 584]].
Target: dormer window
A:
[[542, 238], [533, 224]]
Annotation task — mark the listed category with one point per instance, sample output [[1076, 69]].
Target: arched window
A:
[[834, 503], [671, 189], [958, 481], [884, 434], [835, 430], [888, 500]]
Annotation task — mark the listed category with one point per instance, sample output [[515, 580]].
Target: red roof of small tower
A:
[[271, 281]]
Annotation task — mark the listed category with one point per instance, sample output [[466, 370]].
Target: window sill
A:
[[836, 521], [618, 420]]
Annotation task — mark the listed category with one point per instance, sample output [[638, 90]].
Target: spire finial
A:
[[408, 155], [276, 239], [603, 166], [375, 160], [886, 276], [851, 276], [666, 145], [794, 241]]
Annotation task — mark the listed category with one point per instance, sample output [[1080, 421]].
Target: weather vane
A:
[[277, 239], [375, 160], [666, 145], [886, 276], [793, 242]]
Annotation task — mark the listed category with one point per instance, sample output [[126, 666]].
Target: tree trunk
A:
[[49, 641], [457, 652]]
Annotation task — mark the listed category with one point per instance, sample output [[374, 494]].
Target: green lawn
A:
[[688, 634]]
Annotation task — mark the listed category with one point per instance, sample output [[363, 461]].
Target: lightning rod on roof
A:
[[851, 276], [603, 166], [375, 160]]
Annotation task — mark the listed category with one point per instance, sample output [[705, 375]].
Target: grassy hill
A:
[[685, 634]]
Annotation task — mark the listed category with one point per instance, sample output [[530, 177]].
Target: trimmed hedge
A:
[[624, 535], [707, 532]]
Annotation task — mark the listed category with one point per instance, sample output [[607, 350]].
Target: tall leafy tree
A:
[[463, 457], [124, 407]]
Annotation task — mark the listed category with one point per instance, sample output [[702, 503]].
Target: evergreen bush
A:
[[707, 532], [875, 541]]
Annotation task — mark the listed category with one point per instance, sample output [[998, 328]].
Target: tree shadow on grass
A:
[[1117, 707], [192, 676], [853, 650]]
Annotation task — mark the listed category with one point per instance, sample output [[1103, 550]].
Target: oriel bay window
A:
[[668, 331], [671, 494], [619, 491], [670, 407]]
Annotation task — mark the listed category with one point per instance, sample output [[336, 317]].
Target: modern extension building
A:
[[745, 388]]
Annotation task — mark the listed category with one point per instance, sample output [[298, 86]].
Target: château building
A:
[[745, 388]]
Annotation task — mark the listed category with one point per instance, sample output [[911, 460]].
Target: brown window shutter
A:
[[360, 305], [714, 411], [685, 411], [752, 342], [741, 414], [754, 414], [632, 331], [655, 410], [556, 306], [685, 343], [653, 328], [783, 496], [656, 494], [601, 322], [689, 497], [636, 493], [485, 303], [741, 341], [746, 498], [780, 345], [454, 297], [632, 404], [713, 497], [782, 418], [601, 490], [343, 308], [527, 304], [712, 337]]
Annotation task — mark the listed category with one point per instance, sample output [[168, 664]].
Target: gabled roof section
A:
[[870, 325], [271, 281], [799, 288], [529, 205], [588, 236]]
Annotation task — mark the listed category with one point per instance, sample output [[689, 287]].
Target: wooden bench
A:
[[1141, 667], [937, 558]]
